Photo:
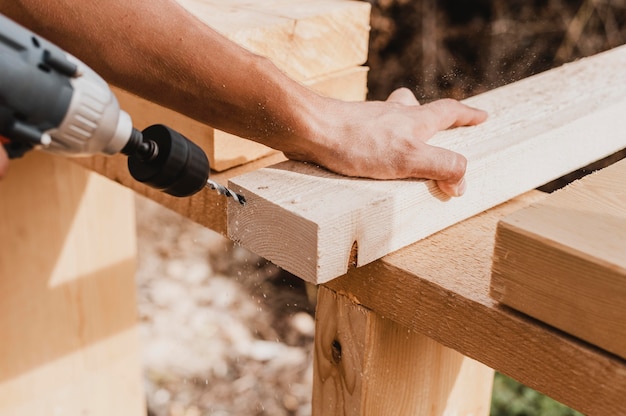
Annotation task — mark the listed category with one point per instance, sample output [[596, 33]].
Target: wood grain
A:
[[563, 260], [368, 365], [305, 38], [439, 287], [69, 342], [538, 129]]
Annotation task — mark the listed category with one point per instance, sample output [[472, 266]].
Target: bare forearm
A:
[[161, 52]]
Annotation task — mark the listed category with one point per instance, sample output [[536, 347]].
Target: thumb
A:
[[403, 96]]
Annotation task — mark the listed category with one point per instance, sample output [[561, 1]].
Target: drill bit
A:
[[222, 190]]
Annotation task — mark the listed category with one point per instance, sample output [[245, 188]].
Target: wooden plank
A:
[[539, 128], [440, 288], [305, 38], [69, 342], [563, 260], [226, 150], [369, 365]]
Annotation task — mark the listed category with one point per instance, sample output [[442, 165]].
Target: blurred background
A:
[[226, 333]]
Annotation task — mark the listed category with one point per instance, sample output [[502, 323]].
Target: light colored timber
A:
[[368, 365], [439, 287], [563, 260], [69, 342], [307, 220], [226, 150], [305, 38]]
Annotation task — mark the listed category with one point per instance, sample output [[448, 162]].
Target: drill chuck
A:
[[166, 160]]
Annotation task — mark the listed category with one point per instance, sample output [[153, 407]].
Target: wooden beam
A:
[[308, 220], [439, 287], [368, 365], [305, 38], [69, 341], [563, 260]]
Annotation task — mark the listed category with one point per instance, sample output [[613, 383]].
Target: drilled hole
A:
[[335, 348], [353, 260]]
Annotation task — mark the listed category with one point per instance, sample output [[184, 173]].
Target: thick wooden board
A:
[[368, 365], [440, 287], [563, 260], [305, 38], [308, 220], [68, 337]]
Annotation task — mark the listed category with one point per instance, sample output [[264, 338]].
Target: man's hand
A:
[[4, 162], [387, 140]]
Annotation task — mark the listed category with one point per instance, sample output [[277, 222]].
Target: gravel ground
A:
[[224, 332]]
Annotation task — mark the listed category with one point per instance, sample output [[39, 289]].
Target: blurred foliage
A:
[[455, 49], [511, 398]]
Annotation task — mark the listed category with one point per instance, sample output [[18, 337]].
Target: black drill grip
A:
[[179, 167]]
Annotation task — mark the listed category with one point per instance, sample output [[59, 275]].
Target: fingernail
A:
[[461, 187]]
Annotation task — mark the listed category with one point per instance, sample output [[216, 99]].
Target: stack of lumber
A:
[[321, 43], [563, 260]]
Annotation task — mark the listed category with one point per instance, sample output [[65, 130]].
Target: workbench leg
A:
[[68, 337], [368, 365]]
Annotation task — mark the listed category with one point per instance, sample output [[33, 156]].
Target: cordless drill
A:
[[51, 100]]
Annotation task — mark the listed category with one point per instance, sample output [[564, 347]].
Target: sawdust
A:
[[226, 333]]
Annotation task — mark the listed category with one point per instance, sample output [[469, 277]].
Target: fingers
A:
[[447, 113], [447, 168]]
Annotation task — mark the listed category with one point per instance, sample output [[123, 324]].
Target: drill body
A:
[[52, 101]]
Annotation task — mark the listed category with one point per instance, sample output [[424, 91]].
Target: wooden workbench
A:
[[414, 332]]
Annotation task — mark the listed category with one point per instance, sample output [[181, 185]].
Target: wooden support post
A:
[[68, 340], [368, 365], [439, 287]]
